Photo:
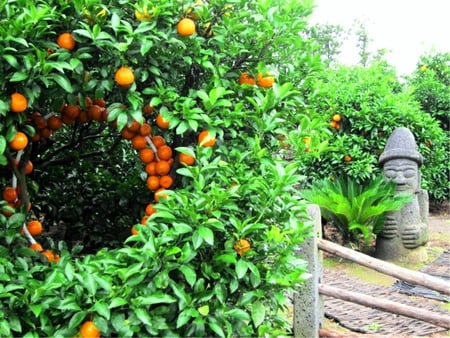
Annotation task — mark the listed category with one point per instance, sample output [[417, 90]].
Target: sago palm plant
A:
[[356, 208]]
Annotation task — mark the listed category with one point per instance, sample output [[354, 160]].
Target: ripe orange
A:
[[166, 181], [153, 183], [150, 168], [159, 194], [10, 194], [162, 167], [148, 109], [144, 220], [39, 121], [34, 227], [29, 168], [146, 155], [95, 112], [347, 158], [45, 133], [133, 126], [71, 111], [245, 78], [19, 142], [150, 209], [36, 247], [18, 103], [145, 129], [138, 142], [265, 81], [99, 102], [158, 141], [205, 139], [54, 122], [242, 246], [334, 124], [124, 76], [89, 330], [134, 231], [66, 40], [186, 27], [186, 159], [161, 122], [127, 134], [337, 118], [164, 152]]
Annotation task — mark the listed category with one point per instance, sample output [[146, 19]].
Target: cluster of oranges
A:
[[336, 120], [262, 80]]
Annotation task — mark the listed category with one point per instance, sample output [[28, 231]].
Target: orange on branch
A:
[[138, 142], [205, 139], [186, 27], [164, 152], [166, 181], [242, 246], [146, 155], [186, 159], [89, 330], [66, 41], [153, 183], [162, 122], [162, 167], [19, 103], [124, 76], [19, 142], [10, 194], [35, 227]]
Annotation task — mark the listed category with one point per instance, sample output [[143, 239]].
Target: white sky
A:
[[406, 28]]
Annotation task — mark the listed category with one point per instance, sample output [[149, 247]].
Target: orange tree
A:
[[212, 251], [363, 105]]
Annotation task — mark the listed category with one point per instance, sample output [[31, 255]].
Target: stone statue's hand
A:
[[411, 236], [390, 228]]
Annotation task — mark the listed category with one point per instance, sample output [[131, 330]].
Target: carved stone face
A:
[[404, 172]]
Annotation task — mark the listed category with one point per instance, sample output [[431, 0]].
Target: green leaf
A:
[[116, 302], [77, 319], [258, 313], [102, 309], [226, 258], [204, 310], [189, 274], [62, 81], [18, 76], [207, 234], [241, 268], [2, 144], [143, 316]]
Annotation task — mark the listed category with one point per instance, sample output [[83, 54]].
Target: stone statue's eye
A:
[[390, 173], [409, 173]]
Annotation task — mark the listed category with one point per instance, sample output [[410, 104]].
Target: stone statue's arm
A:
[[414, 235], [390, 227], [424, 204]]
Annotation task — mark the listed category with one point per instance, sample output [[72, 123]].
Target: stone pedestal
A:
[[308, 304]]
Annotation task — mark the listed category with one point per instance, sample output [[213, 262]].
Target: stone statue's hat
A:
[[401, 145]]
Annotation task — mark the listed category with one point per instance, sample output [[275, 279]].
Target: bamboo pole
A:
[[386, 305], [414, 277]]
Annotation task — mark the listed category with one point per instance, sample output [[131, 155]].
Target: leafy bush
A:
[[356, 209], [430, 83], [181, 274], [370, 104]]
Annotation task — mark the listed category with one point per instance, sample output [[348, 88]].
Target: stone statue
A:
[[405, 232]]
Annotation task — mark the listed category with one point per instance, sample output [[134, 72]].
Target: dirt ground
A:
[[439, 241]]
